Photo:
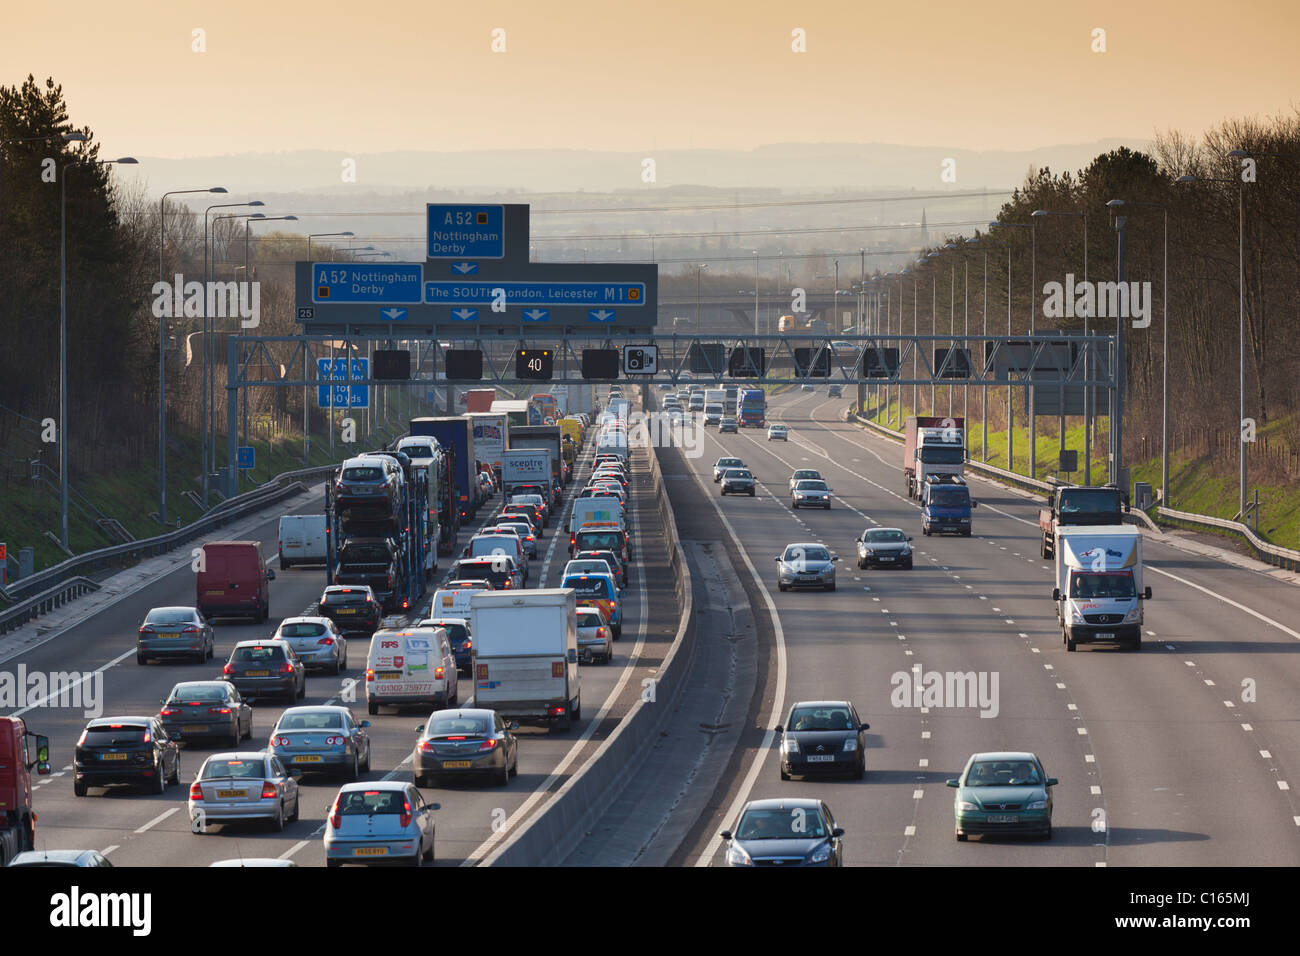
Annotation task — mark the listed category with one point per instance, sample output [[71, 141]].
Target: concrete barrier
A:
[[551, 834]]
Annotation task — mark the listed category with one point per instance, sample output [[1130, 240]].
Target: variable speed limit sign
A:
[[640, 359]]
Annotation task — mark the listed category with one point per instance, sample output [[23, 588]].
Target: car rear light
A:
[[190, 629], [148, 628], [196, 792], [228, 669], [488, 745], [370, 674], [333, 740], [218, 710], [557, 710], [279, 741], [82, 739], [147, 737], [336, 815], [405, 819], [268, 791], [600, 632], [286, 668], [327, 641], [405, 604], [426, 746]]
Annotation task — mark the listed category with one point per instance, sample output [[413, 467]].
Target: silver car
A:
[[722, 464], [802, 474], [317, 641], [383, 821], [811, 493], [322, 738], [243, 785], [174, 632], [595, 636], [807, 565]]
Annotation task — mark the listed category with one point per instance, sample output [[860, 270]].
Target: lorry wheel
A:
[[372, 707], [577, 710], [285, 565], [861, 565], [908, 566]]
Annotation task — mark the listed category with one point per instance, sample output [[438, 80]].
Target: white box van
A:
[[410, 665], [302, 540], [1099, 592], [450, 603], [526, 654]]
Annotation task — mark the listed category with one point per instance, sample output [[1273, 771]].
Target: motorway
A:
[[137, 829], [1162, 757]]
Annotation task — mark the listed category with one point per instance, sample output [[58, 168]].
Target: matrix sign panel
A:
[[534, 364]]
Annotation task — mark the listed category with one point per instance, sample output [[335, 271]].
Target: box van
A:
[[301, 540], [453, 602], [526, 655], [592, 511], [1099, 593], [232, 581], [410, 665]]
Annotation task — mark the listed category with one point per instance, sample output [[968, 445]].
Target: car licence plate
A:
[[257, 674], [370, 851], [193, 729], [217, 593], [113, 756], [347, 610], [821, 758], [1106, 637], [456, 764], [307, 758], [168, 634], [1003, 818], [884, 559], [231, 794]]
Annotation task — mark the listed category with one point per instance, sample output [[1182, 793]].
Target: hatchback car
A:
[[884, 548], [322, 738], [130, 750], [259, 669], [353, 609], [738, 481], [804, 473], [466, 742], [174, 632], [316, 641], [243, 785], [370, 488], [1001, 793], [595, 636], [777, 433], [525, 532], [583, 561], [728, 425], [810, 493], [823, 736], [790, 832], [722, 464], [806, 566], [206, 708], [59, 858], [500, 569], [384, 821]]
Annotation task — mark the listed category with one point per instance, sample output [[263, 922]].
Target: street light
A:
[[698, 270], [1011, 433], [323, 235], [1087, 404], [1241, 318], [984, 394], [756, 292], [63, 327], [162, 349]]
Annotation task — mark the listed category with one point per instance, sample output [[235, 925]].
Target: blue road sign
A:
[[345, 396], [393, 314], [600, 315], [246, 456], [384, 283], [464, 268], [465, 315], [466, 232], [530, 294], [537, 315]]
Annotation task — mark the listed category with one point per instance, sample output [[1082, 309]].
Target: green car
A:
[[1003, 793]]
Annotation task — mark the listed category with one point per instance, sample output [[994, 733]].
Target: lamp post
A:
[[306, 406], [162, 348], [699, 269], [934, 327], [756, 292], [209, 453], [984, 394], [1164, 374], [325, 235], [1011, 432], [63, 327], [1241, 320], [1087, 443]]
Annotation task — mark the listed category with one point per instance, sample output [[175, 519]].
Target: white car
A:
[[777, 432]]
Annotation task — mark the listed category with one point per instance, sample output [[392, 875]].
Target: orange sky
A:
[[284, 74]]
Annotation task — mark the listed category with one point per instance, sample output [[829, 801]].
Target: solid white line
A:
[[158, 819]]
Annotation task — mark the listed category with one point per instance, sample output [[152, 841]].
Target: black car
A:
[[790, 832], [500, 570], [738, 481], [354, 610], [823, 736], [130, 750], [269, 668], [471, 742], [379, 563], [458, 637], [207, 708]]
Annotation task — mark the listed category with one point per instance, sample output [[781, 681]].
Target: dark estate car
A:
[[130, 750]]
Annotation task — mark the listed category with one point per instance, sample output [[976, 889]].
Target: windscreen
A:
[[796, 552], [810, 485], [885, 536], [942, 454], [949, 497], [219, 768], [779, 824], [1090, 585], [821, 718], [1003, 773], [1090, 501], [418, 451]]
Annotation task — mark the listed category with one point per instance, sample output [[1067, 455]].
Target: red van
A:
[[233, 581]]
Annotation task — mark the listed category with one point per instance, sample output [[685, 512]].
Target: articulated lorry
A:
[[753, 408], [480, 399], [20, 751], [1077, 506], [491, 438], [1099, 592], [525, 662], [455, 434], [932, 446]]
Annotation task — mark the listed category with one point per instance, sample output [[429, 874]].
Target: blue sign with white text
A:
[[529, 294], [344, 396], [352, 282], [246, 456], [466, 232]]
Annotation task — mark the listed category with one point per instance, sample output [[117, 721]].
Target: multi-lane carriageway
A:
[[1160, 759], [138, 829]]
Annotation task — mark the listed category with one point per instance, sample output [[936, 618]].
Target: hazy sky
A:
[[283, 74]]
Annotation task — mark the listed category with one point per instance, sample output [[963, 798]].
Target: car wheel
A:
[[159, 784], [285, 565], [355, 772], [79, 787], [366, 766], [1069, 644], [332, 863], [1046, 834], [372, 708], [751, 492], [302, 691], [781, 587], [961, 838], [828, 506], [784, 775], [277, 824], [234, 737], [831, 586], [503, 778], [860, 771], [248, 734], [908, 566], [297, 809], [140, 658], [428, 854], [861, 565]]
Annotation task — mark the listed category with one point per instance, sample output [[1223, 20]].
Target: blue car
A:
[[1003, 793]]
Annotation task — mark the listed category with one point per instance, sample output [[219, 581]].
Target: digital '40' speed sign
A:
[[534, 364]]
